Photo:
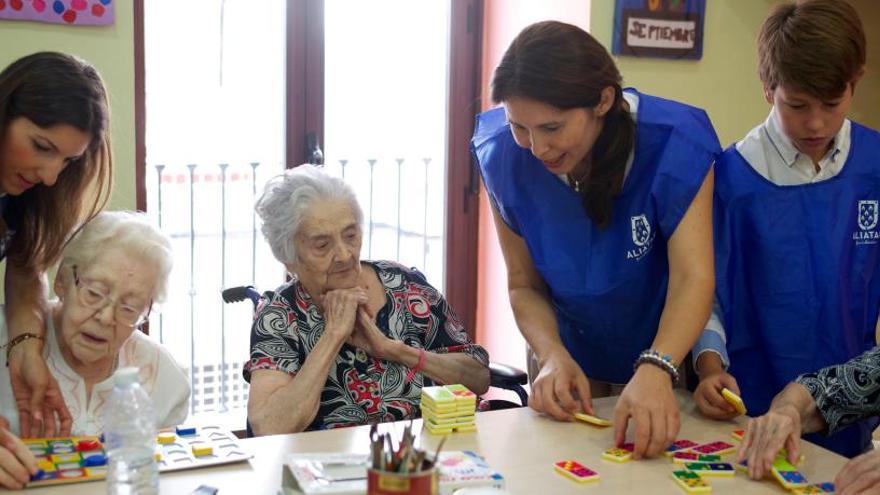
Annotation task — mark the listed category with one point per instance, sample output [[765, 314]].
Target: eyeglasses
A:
[[93, 298]]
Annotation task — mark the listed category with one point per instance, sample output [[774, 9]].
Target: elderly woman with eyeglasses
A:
[[345, 341], [110, 275]]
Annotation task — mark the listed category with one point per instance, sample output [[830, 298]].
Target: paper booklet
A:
[[325, 474], [462, 468]]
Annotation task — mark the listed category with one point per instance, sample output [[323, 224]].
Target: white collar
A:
[[786, 148]]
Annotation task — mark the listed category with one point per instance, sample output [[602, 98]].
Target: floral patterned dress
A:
[[360, 389]]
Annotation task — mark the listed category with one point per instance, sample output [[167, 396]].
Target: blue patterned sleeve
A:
[[848, 392]]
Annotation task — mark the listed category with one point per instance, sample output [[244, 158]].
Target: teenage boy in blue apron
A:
[[797, 238]]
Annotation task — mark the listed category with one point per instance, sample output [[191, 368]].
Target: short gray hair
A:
[[288, 196], [129, 231]]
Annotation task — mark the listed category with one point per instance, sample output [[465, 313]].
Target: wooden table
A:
[[519, 443]]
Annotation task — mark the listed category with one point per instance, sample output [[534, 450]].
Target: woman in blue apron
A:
[[602, 202]]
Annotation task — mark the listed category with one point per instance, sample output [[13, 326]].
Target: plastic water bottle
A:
[[130, 437]]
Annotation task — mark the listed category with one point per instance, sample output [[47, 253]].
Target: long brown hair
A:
[[48, 89], [563, 66], [817, 46]]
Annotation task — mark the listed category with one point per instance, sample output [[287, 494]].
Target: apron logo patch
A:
[[641, 230], [642, 236], [868, 213]]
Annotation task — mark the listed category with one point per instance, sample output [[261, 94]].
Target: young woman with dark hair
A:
[[55, 174], [602, 201]]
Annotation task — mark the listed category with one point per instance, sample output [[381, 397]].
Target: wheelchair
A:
[[501, 376]]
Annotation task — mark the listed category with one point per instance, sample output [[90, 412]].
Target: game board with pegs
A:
[[64, 460], [190, 447]]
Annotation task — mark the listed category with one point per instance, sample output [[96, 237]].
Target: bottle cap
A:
[[126, 376]]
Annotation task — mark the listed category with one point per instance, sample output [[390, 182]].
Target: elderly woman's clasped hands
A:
[[340, 308], [346, 312]]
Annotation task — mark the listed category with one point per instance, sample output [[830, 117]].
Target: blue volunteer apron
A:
[[797, 274], [607, 286]]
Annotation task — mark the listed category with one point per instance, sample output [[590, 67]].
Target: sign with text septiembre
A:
[[659, 28]]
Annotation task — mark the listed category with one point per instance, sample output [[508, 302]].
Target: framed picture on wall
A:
[[659, 28], [70, 12]]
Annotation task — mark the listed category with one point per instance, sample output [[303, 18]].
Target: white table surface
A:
[[519, 443]]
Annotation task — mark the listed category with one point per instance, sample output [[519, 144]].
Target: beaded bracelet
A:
[[662, 361], [18, 340], [418, 367]]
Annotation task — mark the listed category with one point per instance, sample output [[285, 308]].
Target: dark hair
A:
[[48, 89], [817, 46], [563, 66]]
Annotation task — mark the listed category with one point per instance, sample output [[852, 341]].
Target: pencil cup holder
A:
[[393, 483]]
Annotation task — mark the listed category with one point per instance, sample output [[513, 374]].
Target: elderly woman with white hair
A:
[[344, 342], [111, 274]]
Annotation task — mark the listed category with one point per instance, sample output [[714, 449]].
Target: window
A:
[[214, 79], [385, 105], [234, 90]]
